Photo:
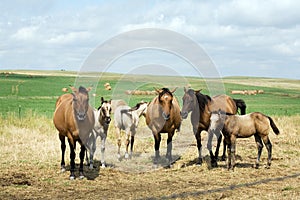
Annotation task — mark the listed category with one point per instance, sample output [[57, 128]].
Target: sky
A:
[[238, 38]]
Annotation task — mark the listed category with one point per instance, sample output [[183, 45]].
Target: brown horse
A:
[[74, 119], [163, 116], [235, 126], [200, 106]]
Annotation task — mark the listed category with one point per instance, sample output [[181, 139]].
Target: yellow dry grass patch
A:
[[30, 165]]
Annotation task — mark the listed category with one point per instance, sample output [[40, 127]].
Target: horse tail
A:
[[273, 125], [240, 103]]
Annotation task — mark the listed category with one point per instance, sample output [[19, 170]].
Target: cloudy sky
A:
[[242, 38]]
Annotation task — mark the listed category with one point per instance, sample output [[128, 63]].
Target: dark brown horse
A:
[[235, 126], [163, 116], [74, 119], [200, 106]]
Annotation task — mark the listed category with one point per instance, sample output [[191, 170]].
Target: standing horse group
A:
[[75, 119]]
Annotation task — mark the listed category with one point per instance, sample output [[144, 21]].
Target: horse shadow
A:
[[221, 164]]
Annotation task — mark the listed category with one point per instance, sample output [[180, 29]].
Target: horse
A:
[[235, 126], [200, 106], [127, 119], [163, 116], [74, 119], [102, 121]]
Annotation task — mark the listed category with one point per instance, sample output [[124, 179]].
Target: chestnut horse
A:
[[200, 106], [163, 116], [235, 126], [74, 119]]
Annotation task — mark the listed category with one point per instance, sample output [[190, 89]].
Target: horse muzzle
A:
[[107, 120], [166, 116], [81, 116], [184, 114]]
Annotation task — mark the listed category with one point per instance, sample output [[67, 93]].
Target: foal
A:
[[102, 121], [243, 126], [126, 118]]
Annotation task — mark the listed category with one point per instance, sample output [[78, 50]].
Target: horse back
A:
[[223, 102], [63, 119]]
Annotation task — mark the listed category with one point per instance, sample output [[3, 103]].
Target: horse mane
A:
[[82, 90], [203, 99], [164, 91]]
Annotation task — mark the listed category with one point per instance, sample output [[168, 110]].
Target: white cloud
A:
[[234, 33]]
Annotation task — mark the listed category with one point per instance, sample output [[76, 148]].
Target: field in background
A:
[[37, 91], [30, 148]]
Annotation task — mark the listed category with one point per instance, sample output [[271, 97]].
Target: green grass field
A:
[[32, 91], [30, 147]]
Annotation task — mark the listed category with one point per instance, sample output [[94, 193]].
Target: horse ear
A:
[[73, 88], [184, 89], [110, 101], [174, 90], [157, 90], [102, 99], [197, 91], [89, 89]]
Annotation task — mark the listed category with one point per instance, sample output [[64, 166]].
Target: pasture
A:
[[30, 147]]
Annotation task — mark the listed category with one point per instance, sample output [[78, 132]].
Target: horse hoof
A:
[[214, 164], [126, 155], [103, 166], [72, 178], [223, 158], [63, 170], [155, 166], [81, 177]]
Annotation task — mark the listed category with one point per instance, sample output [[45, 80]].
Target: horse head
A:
[[105, 111], [80, 102], [217, 119], [189, 101], [165, 98]]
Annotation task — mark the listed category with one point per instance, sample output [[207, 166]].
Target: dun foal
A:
[[102, 121], [243, 126], [126, 118], [74, 119]]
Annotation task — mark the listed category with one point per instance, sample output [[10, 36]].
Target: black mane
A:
[[203, 100], [164, 91]]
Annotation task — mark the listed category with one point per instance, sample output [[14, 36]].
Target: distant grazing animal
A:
[[102, 121], [74, 119], [235, 126], [200, 106], [163, 116], [127, 118], [64, 90]]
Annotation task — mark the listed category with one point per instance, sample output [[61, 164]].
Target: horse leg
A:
[[81, 156], [219, 136], [229, 156], [197, 133], [157, 139], [224, 150], [128, 133], [103, 139], [209, 147], [63, 150], [169, 148], [268, 145], [72, 159], [132, 142], [259, 149], [232, 150], [118, 132], [92, 149]]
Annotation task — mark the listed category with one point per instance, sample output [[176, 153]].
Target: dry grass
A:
[[30, 159]]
